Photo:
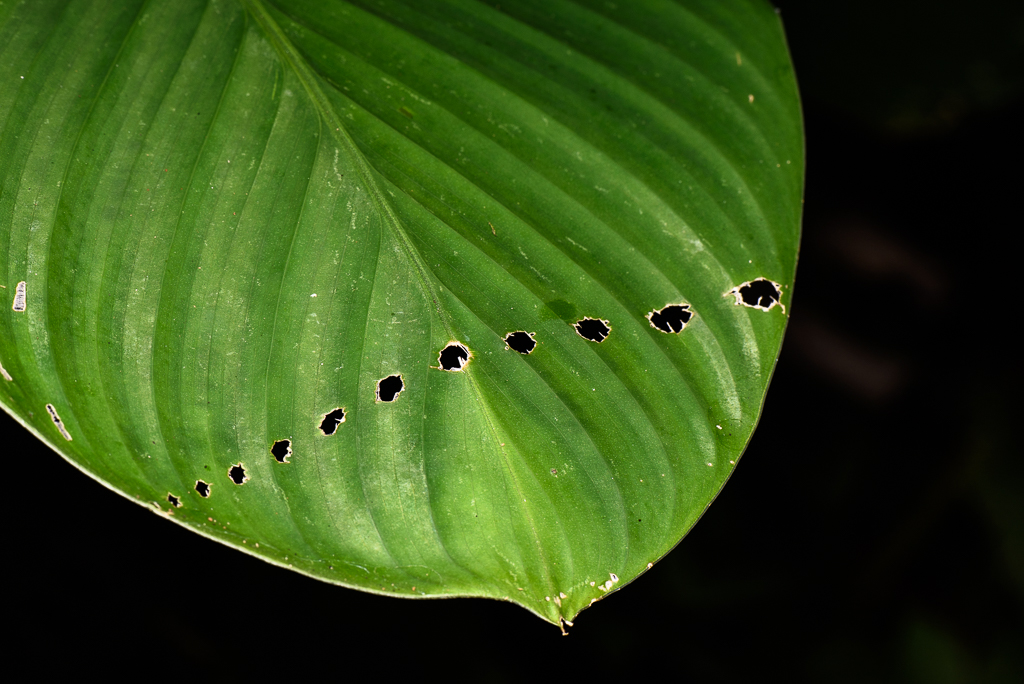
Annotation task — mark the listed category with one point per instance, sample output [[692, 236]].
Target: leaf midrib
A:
[[291, 56], [612, 295]]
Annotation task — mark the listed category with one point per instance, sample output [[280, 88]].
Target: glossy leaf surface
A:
[[234, 220]]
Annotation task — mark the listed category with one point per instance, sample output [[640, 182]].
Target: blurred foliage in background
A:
[[874, 531]]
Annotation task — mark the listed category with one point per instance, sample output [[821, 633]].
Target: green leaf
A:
[[223, 223]]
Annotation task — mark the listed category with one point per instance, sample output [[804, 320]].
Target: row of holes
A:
[[452, 358], [761, 294]]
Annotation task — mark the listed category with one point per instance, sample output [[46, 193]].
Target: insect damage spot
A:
[[19, 297], [173, 500], [453, 358], [671, 319], [237, 474], [521, 341], [58, 422], [389, 388], [593, 329], [282, 448], [328, 425], [3, 372], [760, 293], [203, 488]]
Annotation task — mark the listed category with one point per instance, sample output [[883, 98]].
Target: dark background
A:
[[873, 532]]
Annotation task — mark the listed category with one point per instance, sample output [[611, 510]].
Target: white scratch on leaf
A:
[[57, 421], [20, 302]]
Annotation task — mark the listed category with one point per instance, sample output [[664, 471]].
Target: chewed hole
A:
[[760, 293], [521, 341], [173, 500], [389, 388], [671, 319], [593, 329], [330, 423], [282, 448], [452, 358], [203, 488], [237, 474]]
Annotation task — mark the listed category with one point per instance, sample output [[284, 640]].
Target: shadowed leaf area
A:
[[243, 242]]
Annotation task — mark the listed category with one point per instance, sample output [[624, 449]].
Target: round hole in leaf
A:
[[759, 293], [521, 341], [237, 474], [282, 449], [671, 319], [330, 422], [593, 329], [389, 388], [453, 357]]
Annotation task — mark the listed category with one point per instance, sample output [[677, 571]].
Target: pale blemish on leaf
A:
[[58, 422], [20, 302]]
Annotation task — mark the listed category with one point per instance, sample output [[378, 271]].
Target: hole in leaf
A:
[[237, 474], [521, 342], [672, 319], [593, 329], [329, 424], [174, 501], [760, 294], [202, 488], [389, 388], [453, 357], [282, 448]]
